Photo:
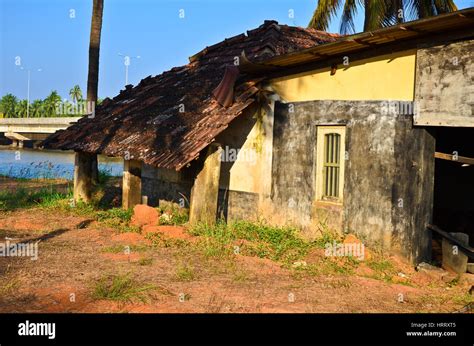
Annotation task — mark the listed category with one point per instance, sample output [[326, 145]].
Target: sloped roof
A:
[[166, 120]]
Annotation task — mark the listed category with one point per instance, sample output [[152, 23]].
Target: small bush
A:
[[172, 214]]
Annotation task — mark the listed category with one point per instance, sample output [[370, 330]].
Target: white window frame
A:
[[321, 132]]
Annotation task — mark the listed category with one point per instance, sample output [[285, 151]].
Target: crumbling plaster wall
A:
[[444, 89], [388, 172]]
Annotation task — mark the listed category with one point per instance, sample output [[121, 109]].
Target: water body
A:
[[34, 163]]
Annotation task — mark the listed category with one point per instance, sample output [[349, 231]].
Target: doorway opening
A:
[[453, 205]]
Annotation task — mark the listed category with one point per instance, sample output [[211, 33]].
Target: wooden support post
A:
[[205, 190], [95, 170], [83, 177], [132, 183]]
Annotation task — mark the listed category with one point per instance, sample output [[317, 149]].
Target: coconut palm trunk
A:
[[93, 74]]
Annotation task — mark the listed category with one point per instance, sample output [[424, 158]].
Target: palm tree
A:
[[93, 73], [21, 109], [377, 13], [7, 105], [36, 109], [51, 102], [75, 93], [94, 50]]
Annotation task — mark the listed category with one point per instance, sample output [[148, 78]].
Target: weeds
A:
[[22, 198], [124, 248], [172, 214], [185, 272], [255, 239], [121, 288], [145, 261]]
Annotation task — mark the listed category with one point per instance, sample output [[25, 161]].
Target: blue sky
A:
[[54, 35]]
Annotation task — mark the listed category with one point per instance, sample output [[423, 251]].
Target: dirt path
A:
[[78, 253]]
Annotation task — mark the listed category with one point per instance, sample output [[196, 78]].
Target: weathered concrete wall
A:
[[166, 185], [444, 85], [244, 177], [205, 190], [386, 160]]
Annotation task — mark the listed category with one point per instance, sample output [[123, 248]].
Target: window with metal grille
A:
[[330, 149], [331, 165]]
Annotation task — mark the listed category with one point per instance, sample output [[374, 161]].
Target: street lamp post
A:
[[126, 60], [28, 93]]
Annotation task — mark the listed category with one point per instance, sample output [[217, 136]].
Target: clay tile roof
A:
[[166, 120]]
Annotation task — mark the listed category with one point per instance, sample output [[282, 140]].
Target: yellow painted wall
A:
[[245, 171], [385, 77]]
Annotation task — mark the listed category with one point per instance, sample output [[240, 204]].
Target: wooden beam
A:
[[450, 157], [466, 249]]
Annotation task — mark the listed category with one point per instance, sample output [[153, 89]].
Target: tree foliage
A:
[[377, 13]]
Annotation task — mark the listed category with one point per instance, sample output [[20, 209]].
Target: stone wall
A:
[[165, 185]]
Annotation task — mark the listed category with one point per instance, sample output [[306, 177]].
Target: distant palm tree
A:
[[377, 13], [36, 109], [7, 105], [75, 93], [50, 103], [21, 109]]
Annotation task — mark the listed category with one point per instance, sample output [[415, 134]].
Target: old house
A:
[[368, 133]]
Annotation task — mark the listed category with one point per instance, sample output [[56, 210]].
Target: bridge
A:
[[32, 129]]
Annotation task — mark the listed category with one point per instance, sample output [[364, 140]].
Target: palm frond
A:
[[375, 14], [348, 13], [325, 10], [445, 6]]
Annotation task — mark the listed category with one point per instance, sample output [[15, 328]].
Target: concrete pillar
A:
[[205, 190], [83, 177], [132, 183], [20, 144], [14, 143]]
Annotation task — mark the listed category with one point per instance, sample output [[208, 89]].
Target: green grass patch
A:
[[173, 214], [22, 198], [125, 248], [257, 239], [383, 268], [145, 261], [121, 288], [185, 272]]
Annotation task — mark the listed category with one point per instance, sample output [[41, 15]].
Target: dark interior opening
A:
[[453, 207]]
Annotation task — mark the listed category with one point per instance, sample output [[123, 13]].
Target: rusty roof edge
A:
[[466, 13]]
